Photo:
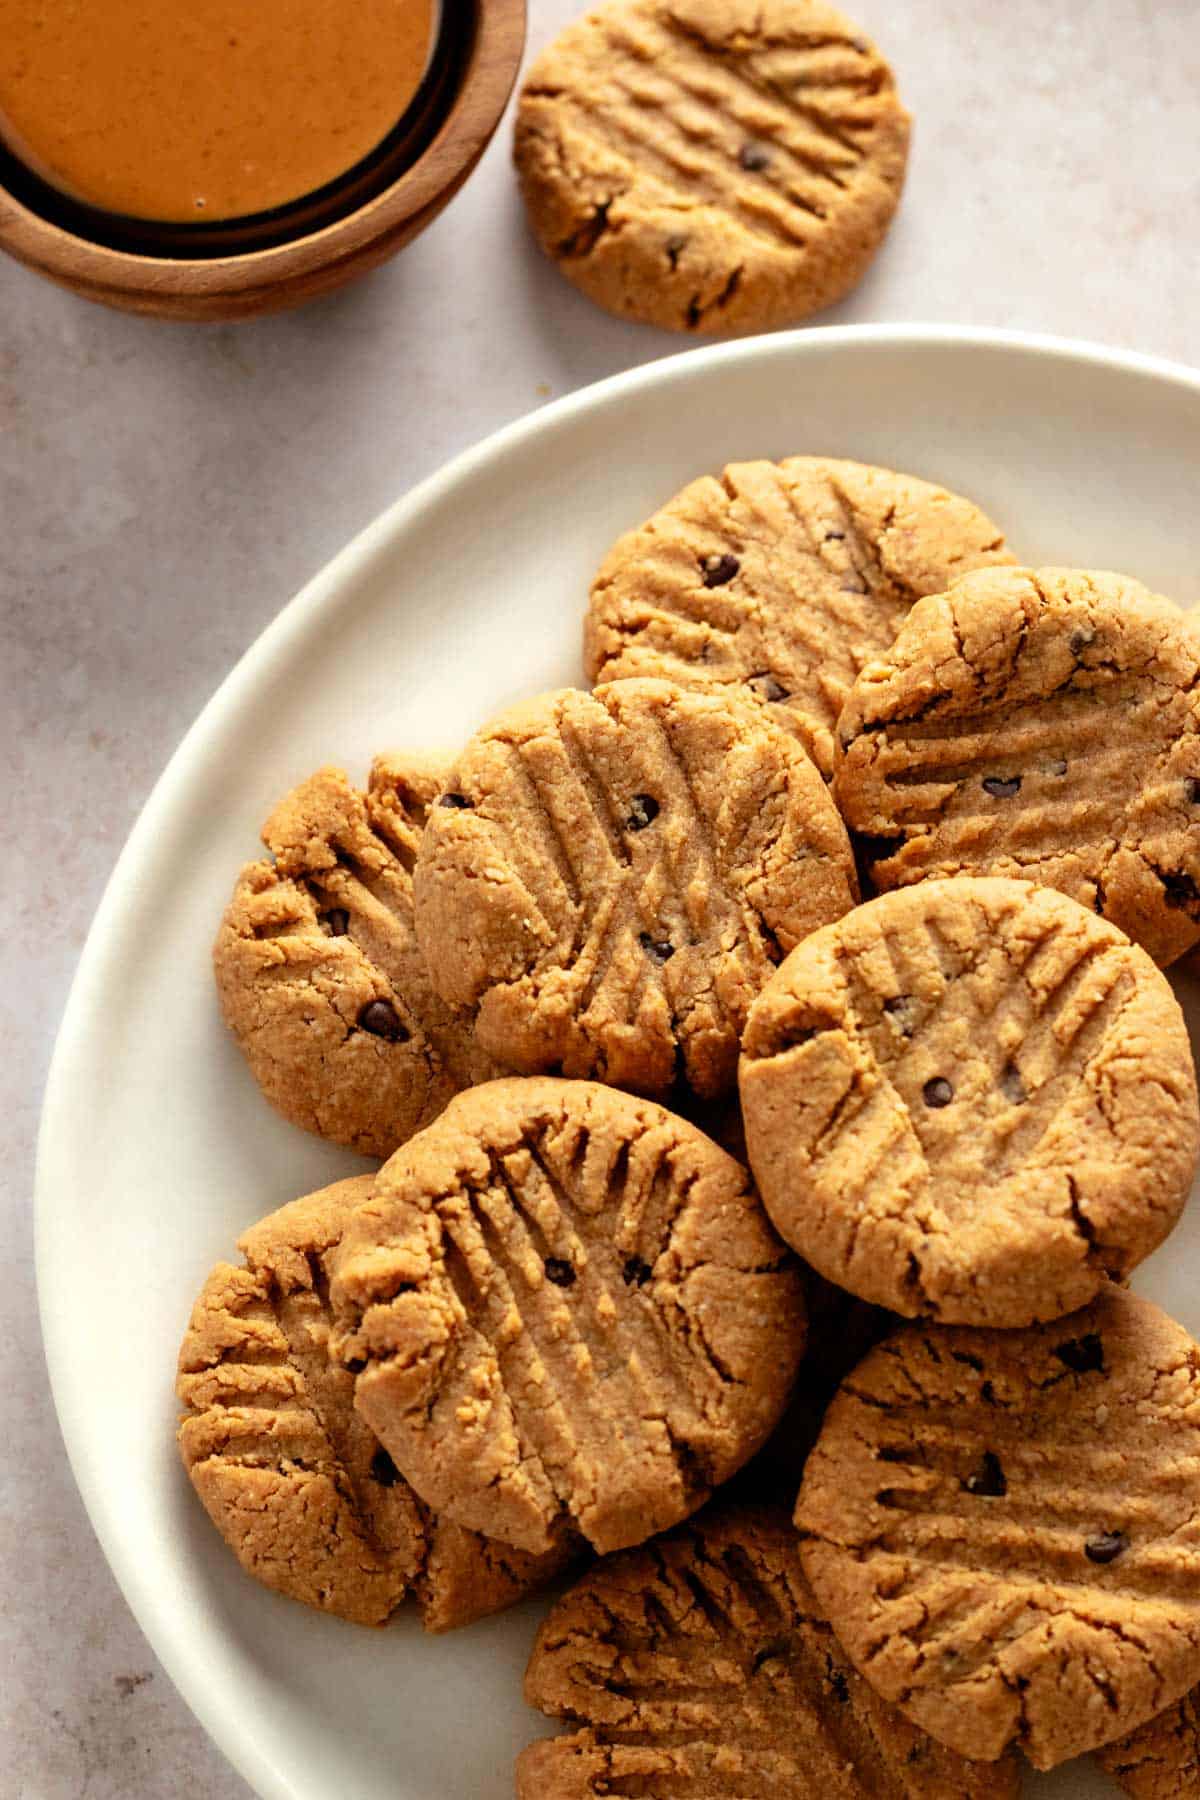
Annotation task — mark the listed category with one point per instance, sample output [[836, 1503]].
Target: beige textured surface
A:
[[711, 165], [163, 491], [290, 1475], [318, 969], [1042, 723], [1004, 1527], [781, 579], [566, 1310], [610, 879], [702, 1668], [971, 1100]]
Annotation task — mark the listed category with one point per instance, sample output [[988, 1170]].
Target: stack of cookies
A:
[[775, 1083]]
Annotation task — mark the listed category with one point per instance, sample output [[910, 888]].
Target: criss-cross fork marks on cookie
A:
[[702, 1667], [1040, 724], [567, 1310], [783, 579], [318, 968], [971, 1099], [622, 876], [1048, 790], [1161, 1760], [746, 162], [695, 124], [1003, 1526], [296, 1483]]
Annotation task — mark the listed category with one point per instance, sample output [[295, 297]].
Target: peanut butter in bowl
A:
[[205, 110]]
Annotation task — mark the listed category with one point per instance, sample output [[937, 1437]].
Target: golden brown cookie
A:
[[567, 1310], [1161, 1759], [318, 971], [711, 165], [782, 580], [971, 1100], [611, 878], [1003, 1527], [1038, 723], [702, 1666], [302, 1492]]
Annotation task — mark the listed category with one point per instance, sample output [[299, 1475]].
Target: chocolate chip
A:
[[937, 1092], [719, 570], [1106, 1546], [658, 948], [1002, 787], [636, 1272], [457, 802], [1193, 790], [1179, 890], [1011, 1085], [754, 156], [381, 1019], [988, 1479], [560, 1271], [767, 687], [643, 810], [336, 921], [356, 1365], [1083, 1355], [1079, 639], [383, 1469]]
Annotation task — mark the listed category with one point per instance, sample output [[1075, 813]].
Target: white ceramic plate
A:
[[156, 1149]]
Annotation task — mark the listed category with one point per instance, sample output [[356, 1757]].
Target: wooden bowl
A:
[[281, 259]]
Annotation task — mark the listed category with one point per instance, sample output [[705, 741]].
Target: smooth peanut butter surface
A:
[[209, 109]]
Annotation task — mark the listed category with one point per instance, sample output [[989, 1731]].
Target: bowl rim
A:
[[472, 117], [151, 1607]]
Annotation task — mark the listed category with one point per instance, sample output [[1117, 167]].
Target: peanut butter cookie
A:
[[610, 879], [781, 580], [1038, 723], [1161, 1759], [971, 1100], [567, 1310], [308, 1500], [1003, 1527], [711, 165], [318, 971], [702, 1665]]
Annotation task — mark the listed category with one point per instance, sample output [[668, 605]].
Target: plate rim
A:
[[151, 1609]]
